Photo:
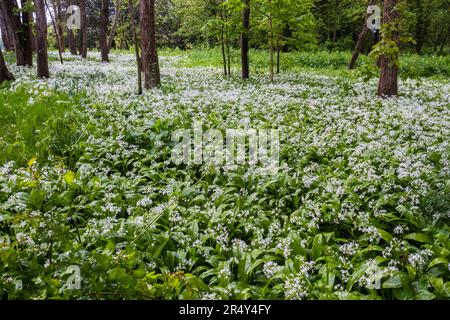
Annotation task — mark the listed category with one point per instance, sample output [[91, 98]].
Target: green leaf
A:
[[437, 261], [386, 236], [317, 246], [419, 237], [393, 282], [356, 275]]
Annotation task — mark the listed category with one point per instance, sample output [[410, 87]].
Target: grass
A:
[[38, 125], [334, 63]]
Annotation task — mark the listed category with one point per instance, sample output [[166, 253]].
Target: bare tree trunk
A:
[[223, 43], [278, 57], [224, 55], [5, 75], [228, 57], [57, 37], [361, 40], [388, 85], [136, 45], [114, 26], [70, 34], [83, 30], [7, 38], [149, 50], [103, 24], [41, 38], [58, 24], [271, 49], [244, 40], [71, 41], [21, 33]]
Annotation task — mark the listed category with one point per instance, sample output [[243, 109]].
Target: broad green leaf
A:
[[419, 237]]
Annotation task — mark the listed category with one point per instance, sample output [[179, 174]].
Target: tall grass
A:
[[39, 126]]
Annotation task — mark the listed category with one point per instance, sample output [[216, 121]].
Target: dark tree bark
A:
[[71, 42], [70, 34], [103, 30], [27, 18], [244, 40], [388, 85], [5, 75], [361, 40], [83, 30], [7, 37], [41, 39], [150, 63], [21, 32], [136, 45]]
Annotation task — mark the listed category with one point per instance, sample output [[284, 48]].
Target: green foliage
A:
[[38, 123]]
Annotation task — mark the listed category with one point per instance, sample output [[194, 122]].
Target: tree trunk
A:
[[224, 55], [21, 32], [136, 45], [71, 41], [5, 75], [149, 50], [83, 30], [41, 38], [244, 40], [361, 40], [7, 38], [70, 34], [278, 58], [271, 49], [388, 85], [228, 57], [58, 24], [55, 28], [103, 24], [114, 26]]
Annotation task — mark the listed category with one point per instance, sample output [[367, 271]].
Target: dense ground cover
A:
[[359, 208]]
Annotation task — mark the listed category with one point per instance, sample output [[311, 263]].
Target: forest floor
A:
[[359, 206]]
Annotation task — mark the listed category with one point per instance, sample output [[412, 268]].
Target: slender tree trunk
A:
[[149, 50], [223, 40], [83, 30], [228, 57], [361, 40], [41, 38], [114, 26], [224, 55], [136, 45], [5, 75], [278, 57], [244, 40], [271, 49], [58, 24], [388, 85], [57, 37], [104, 11]]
